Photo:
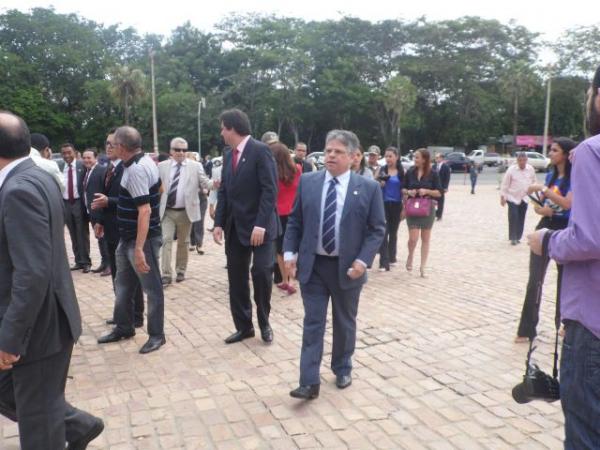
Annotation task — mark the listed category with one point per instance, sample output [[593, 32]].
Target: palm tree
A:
[[518, 82], [128, 86]]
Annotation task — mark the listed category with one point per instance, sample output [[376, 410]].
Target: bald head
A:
[[15, 140]]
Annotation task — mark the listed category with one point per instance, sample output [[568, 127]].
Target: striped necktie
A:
[[329, 213], [172, 197]]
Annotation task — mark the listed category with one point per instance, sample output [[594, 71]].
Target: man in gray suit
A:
[[39, 314], [332, 207]]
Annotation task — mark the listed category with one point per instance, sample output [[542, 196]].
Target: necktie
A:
[[109, 175], [329, 212], [86, 178], [234, 159], [70, 190], [172, 197]]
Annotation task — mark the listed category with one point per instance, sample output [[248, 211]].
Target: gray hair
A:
[[178, 140], [521, 155], [347, 138], [128, 137], [270, 137]]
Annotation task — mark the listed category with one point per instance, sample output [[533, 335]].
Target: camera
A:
[[383, 177], [536, 385]]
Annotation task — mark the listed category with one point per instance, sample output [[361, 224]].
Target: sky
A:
[[163, 16]]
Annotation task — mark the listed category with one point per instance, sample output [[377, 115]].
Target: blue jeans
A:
[[580, 387], [126, 282]]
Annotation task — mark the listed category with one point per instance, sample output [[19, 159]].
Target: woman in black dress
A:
[[421, 182]]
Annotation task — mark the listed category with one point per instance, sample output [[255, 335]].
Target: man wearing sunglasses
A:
[[182, 179]]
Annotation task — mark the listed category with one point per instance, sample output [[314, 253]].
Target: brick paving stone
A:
[[434, 366]]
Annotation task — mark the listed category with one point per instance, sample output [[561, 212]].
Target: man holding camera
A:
[[578, 248]]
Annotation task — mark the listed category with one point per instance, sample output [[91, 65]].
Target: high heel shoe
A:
[[422, 270], [409, 266]]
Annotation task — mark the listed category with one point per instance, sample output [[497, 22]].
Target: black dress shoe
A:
[[110, 322], [343, 381], [166, 281], [180, 277], [152, 344], [114, 336], [267, 334], [93, 433], [77, 267], [106, 272], [86, 269], [99, 269], [139, 324], [240, 336], [306, 392]]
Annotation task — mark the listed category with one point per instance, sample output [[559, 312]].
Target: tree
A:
[[128, 86], [400, 95], [518, 81]]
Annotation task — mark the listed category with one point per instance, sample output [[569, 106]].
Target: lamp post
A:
[[154, 127], [547, 115], [201, 104]]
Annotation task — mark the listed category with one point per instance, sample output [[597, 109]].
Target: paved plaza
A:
[[434, 365]]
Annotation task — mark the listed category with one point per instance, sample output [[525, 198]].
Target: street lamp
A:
[[201, 104], [154, 127], [547, 115]]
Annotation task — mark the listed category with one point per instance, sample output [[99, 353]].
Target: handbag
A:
[[418, 207]]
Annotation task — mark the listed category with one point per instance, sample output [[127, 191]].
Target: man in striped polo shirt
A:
[[139, 247]]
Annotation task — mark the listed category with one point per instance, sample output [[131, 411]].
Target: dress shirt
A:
[[341, 189], [515, 183], [577, 247], [9, 167], [180, 197], [66, 181], [241, 147], [87, 181]]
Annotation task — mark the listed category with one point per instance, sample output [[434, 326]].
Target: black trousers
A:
[[103, 252], [197, 233], [389, 246], [79, 230], [138, 297], [440, 206], [33, 394], [516, 220], [238, 272]]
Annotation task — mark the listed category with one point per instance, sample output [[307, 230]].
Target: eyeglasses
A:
[[109, 144], [179, 149]]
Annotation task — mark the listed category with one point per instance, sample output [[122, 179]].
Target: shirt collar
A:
[[8, 168], [242, 145], [174, 163], [343, 179]]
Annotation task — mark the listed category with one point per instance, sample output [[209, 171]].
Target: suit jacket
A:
[[444, 173], [108, 216], [247, 198], [95, 184], [192, 179], [362, 225], [39, 313]]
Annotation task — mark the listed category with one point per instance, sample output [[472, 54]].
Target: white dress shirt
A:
[[515, 183], [180, 197], [66, 181], [9, 167]]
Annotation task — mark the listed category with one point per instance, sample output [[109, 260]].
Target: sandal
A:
[[283, 286]]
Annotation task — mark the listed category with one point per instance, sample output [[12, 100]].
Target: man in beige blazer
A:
[[182, 180]]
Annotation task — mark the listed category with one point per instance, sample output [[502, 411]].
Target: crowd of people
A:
[[271, 208]]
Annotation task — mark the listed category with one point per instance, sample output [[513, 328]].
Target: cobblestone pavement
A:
[[434, 365]]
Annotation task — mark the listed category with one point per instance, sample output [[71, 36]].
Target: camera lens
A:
[[519, 393]]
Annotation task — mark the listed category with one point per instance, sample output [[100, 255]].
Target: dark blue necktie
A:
[[328, 231]]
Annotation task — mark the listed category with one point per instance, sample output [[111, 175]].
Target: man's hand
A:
[[534, 240], [99, 230], [216, 184], [356, 271], [502, 201], [7, 360], [291, 268], [140, 261], [218, 235], [258, 237], [100, 201]]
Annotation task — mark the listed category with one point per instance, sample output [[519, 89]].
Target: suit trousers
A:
[[516, 220], [389, 246], [127, 281], [238, 272], [175, 221], [79, 230], [138, 296], [197, 234], [324, 284], [36, 390], [440, 206], [102, 247]]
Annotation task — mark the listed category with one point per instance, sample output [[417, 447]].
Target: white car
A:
[[406, 163], [536, 160]]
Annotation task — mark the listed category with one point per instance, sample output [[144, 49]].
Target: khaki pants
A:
[[175, 221]]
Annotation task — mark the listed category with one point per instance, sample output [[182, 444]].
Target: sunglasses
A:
[[179, 149]]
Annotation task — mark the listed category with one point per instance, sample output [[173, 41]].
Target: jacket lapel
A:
[[351, 195]]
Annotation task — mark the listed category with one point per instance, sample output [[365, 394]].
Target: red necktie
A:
[[109, 175], [234, 160], [70, 189]]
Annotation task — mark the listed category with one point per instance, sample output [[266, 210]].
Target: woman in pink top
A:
[[288, 177]]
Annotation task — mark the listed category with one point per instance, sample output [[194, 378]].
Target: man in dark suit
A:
[[106, 203], [247, 215], [332, 236], [74, 206], [444, 173], [93, 183], [39, 314]]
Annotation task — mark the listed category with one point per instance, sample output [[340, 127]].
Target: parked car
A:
[[457, 161], [536, 160], [317, 158], [483, 158]]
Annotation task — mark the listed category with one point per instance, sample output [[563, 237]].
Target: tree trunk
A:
[[126, 105], [515, 117]]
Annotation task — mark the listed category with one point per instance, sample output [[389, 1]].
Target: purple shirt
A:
[[578, 245]]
